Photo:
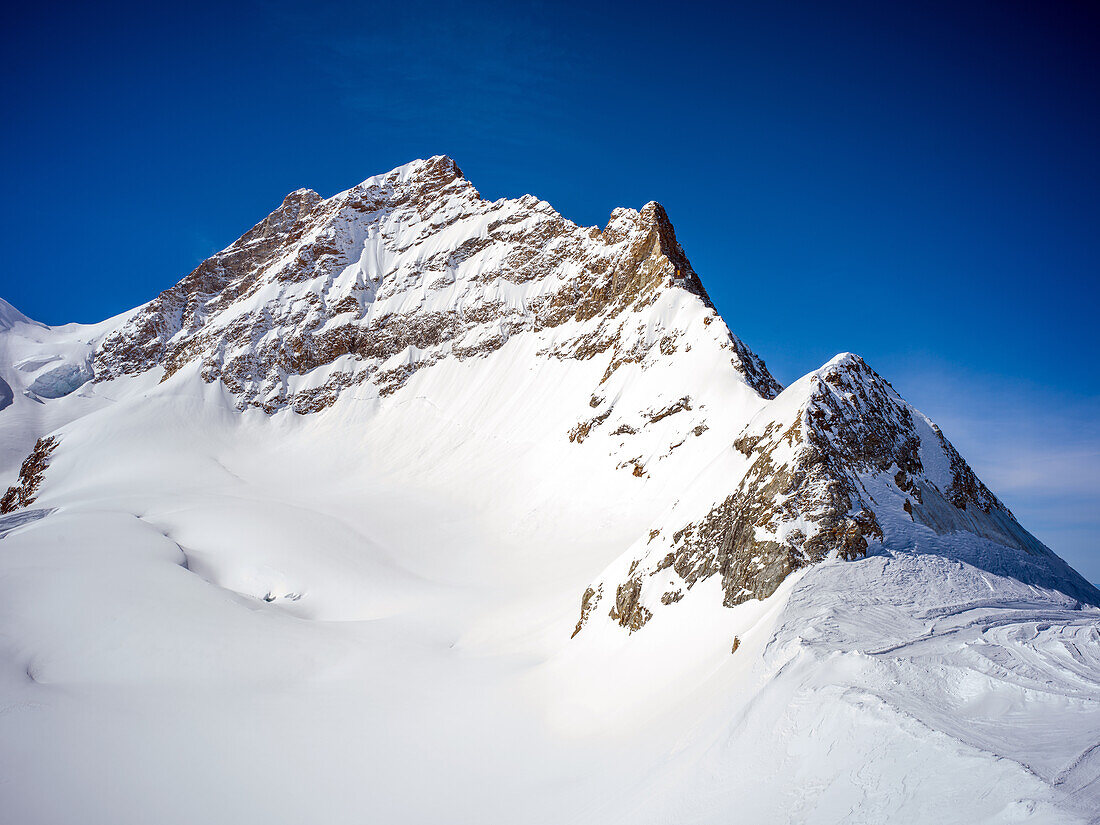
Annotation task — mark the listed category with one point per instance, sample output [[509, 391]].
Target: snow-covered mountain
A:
[[412, 506]]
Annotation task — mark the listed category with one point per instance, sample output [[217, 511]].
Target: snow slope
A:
[[313, 543], [39, 364]]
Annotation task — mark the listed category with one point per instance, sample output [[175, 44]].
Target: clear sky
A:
[[915, 182]]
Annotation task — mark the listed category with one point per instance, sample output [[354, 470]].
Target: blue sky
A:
[[914, 182]]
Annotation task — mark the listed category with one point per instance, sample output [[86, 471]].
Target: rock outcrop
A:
[[398, 273], [828, 458], [413, 274], [31, 473]]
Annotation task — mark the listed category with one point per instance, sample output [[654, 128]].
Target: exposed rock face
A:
[[30, 476], [627, 610], [589, 601], [398, 273], [411, 274], [827, 458]]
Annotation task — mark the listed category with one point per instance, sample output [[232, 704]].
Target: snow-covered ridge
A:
[[400, 272], [10, 317], [412, 270], [45, 375], [318, 526], [836, 462]]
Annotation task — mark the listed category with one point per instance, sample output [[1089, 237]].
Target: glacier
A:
[[314, 543]]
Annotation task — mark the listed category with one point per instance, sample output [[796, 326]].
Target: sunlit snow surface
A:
[[414, 663], [364, 615]]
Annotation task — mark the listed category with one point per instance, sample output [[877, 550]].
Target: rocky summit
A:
[[398, 273], [405, 474]]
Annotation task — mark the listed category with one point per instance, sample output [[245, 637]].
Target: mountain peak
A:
[[837, 463], [842, 360], [655, 214], [300, 197], [436, 165], [407, 269], [10, 316], [423, 173], [390, 438]]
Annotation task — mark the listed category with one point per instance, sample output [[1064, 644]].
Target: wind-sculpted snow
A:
[[310, 545], [12, 521]]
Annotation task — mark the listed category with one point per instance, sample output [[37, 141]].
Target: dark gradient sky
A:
[[914, 182]]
